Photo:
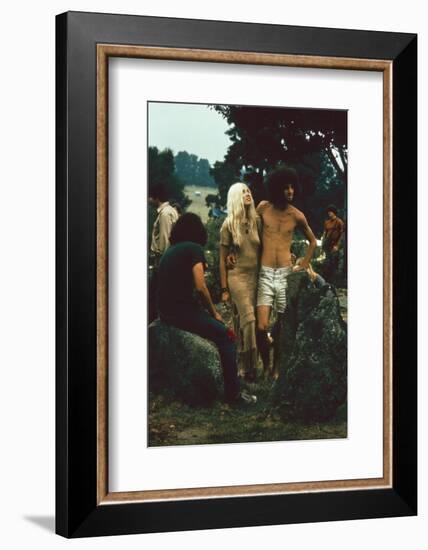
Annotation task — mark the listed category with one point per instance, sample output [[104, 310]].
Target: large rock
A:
[[310, 352], [183, 365]]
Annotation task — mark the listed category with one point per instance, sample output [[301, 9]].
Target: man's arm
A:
[[261, 207], [202, 289], [307, 231], [324, 234], [342, 230]]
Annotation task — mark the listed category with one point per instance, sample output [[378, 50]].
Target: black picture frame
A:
[[78, 513]]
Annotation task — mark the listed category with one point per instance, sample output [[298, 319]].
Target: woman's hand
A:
[[218, 317], [225, 296], [231, 261]]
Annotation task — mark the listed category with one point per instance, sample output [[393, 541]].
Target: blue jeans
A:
[[201, 323]]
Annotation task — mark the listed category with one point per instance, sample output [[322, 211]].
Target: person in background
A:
[[181, 273], [334, 229], [315, 278], [239, 235], [167, 215]]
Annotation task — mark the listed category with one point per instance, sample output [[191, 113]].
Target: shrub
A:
[[212, 276]]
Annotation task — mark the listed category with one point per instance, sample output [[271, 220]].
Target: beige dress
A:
[[242, 283]]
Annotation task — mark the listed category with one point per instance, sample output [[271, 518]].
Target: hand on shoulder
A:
[[262, 206]]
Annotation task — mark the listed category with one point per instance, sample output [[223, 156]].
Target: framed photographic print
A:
[[236, 284]]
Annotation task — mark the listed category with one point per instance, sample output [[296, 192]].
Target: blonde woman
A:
[[239, 236]]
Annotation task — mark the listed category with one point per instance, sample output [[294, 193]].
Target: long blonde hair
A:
[[237, 213]]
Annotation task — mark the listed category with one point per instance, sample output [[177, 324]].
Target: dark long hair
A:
[[276, 182], [189, 227]]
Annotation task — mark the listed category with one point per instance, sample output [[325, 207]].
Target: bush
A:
[[212, 255]]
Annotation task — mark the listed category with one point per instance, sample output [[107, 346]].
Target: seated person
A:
[[315, 278], [181, 272]]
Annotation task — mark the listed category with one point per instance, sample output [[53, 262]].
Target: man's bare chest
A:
[[281, 224]]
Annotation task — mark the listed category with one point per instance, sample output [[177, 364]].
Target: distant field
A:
[[198, 205]]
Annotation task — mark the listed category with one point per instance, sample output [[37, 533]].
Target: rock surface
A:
[[183, 365], [310, 352]]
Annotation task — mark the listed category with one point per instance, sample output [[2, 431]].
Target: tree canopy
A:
[[262, 137], [314, 141], [162, 171], [193, 170]]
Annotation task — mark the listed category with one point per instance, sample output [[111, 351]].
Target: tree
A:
[[162, 171], [262, 137], [203, 175], [224, 174], [193, 170], [183, 167]]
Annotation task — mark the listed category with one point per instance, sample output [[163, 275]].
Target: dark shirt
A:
[[175, 280]]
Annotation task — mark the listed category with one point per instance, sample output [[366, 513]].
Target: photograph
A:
[[246, 273]]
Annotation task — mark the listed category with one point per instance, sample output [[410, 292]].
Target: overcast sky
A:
[[188, 127]]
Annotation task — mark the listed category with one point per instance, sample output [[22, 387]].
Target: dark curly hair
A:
[[331, 208], [189, 227], [276, 182], [158, 191]]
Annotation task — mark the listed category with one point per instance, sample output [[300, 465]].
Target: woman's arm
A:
[[225, 296], [202, 289]]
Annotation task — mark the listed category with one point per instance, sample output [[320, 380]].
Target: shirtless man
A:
[[280, 219]]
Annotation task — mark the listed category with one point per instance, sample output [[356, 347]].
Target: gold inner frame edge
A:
[[104, 51]]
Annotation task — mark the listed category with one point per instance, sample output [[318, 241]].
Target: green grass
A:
[[198, 205], [172, 423]]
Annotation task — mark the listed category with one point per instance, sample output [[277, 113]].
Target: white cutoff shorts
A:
[[272, 287]]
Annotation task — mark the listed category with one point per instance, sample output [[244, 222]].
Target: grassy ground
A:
[[198, 205], [173, 423]]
